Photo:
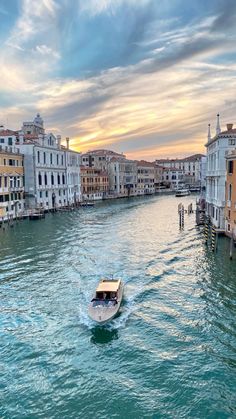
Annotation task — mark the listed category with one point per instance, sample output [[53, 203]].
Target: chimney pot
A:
[[229, 127], [67, 143]]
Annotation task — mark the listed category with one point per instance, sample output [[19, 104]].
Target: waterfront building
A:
[[52, 171], [190, 166], [73, 163], [230, 201], [11, 177], [94, 183], [217, 148], [158, 177], [145, 177], [173, 178], [100, 159], [122, 177]]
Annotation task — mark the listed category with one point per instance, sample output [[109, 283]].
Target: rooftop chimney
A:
[[229, 127], [67, 143], [21, 137]]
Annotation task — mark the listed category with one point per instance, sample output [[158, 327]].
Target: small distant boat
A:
[[107, 300], [182, 192], [195, 189], [87, 204], [36, 216]]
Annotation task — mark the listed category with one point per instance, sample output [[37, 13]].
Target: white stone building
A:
[[190, 166], [122, 174], [173, 178], [217, 149], [52, 171]]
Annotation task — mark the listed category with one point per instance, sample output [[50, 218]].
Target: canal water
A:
[[171, 353]]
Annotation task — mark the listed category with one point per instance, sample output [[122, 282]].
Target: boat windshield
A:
[[103, 303]]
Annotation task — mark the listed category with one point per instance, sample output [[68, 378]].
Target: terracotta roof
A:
[[144, 163], [230, 131], [4, 132], [103, 152], [194, 157]]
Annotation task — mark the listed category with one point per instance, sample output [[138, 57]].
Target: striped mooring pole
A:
[[206, 231], [213, 238]]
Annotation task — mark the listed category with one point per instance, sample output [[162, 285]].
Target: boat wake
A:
[[128, 306]]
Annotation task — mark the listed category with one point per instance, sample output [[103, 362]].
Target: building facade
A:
[[190, 166], [122, 175], [145, 178], [217, 148], [52, 171], [94, 183], [230, 194], [12, 203], [173, 178]]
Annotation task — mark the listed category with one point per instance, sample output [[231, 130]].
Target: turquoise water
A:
[[171, 353]]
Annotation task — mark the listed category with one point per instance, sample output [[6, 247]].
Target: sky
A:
[[142, 77]]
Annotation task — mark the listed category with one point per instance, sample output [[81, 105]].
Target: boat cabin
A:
[[107, 290]]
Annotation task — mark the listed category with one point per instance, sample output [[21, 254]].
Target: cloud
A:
[[120, 74]]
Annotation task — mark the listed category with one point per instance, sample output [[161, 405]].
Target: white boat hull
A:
[[101, 312]]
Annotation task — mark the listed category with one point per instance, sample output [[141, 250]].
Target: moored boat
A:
[[87, 204], [182, 192], [107, 300]]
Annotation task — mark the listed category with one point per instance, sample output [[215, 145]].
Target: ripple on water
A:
[[169, 353]]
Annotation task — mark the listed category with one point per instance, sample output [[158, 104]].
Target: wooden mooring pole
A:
[[181, 215], [231, 247]]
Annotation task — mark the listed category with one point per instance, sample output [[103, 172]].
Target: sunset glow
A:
[[144, 78]]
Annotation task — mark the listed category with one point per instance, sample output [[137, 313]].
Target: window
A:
[[231, 141], [9, 141], [63, 179], [44, 157], [40, 179], [46, 194], [57, 159], [58, 179], [52, 179], [12, 162], [4, 162], [62, 160], [38, 156], [51, 158], [45, 179], [5, 182], [230, 192], [2, 141], [230, 166]]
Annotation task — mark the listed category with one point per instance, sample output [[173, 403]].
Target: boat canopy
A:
[[107, 285]]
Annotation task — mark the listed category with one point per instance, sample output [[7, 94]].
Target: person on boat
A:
[[114, 297]]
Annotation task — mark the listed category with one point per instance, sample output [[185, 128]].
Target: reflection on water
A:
[[103, 335], [171, 351]]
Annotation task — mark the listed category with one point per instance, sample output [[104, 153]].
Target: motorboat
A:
[[182, 192], [107, 300], [87, 204], [194, 189]]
